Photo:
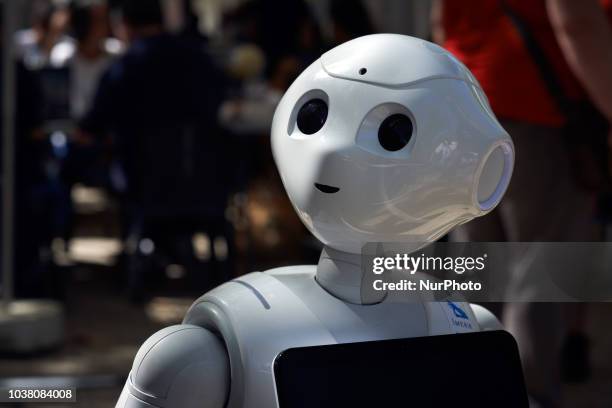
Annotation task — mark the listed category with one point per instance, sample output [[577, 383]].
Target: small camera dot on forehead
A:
[[363, 71]]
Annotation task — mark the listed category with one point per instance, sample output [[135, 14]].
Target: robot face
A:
[[389, 138]]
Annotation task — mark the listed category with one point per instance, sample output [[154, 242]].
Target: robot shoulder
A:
[[181, 366], [486, 319]]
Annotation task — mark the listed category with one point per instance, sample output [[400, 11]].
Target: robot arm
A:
[[181, 366]]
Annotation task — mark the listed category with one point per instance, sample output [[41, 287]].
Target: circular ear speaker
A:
[[494, 176]]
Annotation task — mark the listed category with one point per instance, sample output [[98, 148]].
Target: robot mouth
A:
[[324, 188]]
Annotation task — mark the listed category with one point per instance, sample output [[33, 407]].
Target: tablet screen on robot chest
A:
[[462, 370]]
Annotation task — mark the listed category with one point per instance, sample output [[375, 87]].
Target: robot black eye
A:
[[312, 116], [395, 132]]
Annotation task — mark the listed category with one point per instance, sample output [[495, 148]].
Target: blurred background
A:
[[137, 172]]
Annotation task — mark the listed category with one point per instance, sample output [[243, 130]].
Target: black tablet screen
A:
[[461, 370]]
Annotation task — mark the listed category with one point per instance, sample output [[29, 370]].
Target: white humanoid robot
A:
[[385, 138]]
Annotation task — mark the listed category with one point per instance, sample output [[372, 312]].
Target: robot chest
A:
[[260, 315]]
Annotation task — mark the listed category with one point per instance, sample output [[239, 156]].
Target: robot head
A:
[[389, 138]]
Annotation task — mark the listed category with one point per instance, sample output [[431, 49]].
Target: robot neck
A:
[[340, 274]]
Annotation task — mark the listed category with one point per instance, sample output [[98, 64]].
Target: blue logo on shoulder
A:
[[458, 312]]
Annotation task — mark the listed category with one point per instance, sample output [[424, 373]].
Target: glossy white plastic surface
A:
[[439, 180], [264, 314], [392, 60]]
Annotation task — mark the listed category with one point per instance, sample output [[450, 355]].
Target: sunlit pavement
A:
[[103, 333]]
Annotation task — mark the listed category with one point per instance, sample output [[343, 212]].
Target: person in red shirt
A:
[[544, 202], [482, 36]]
